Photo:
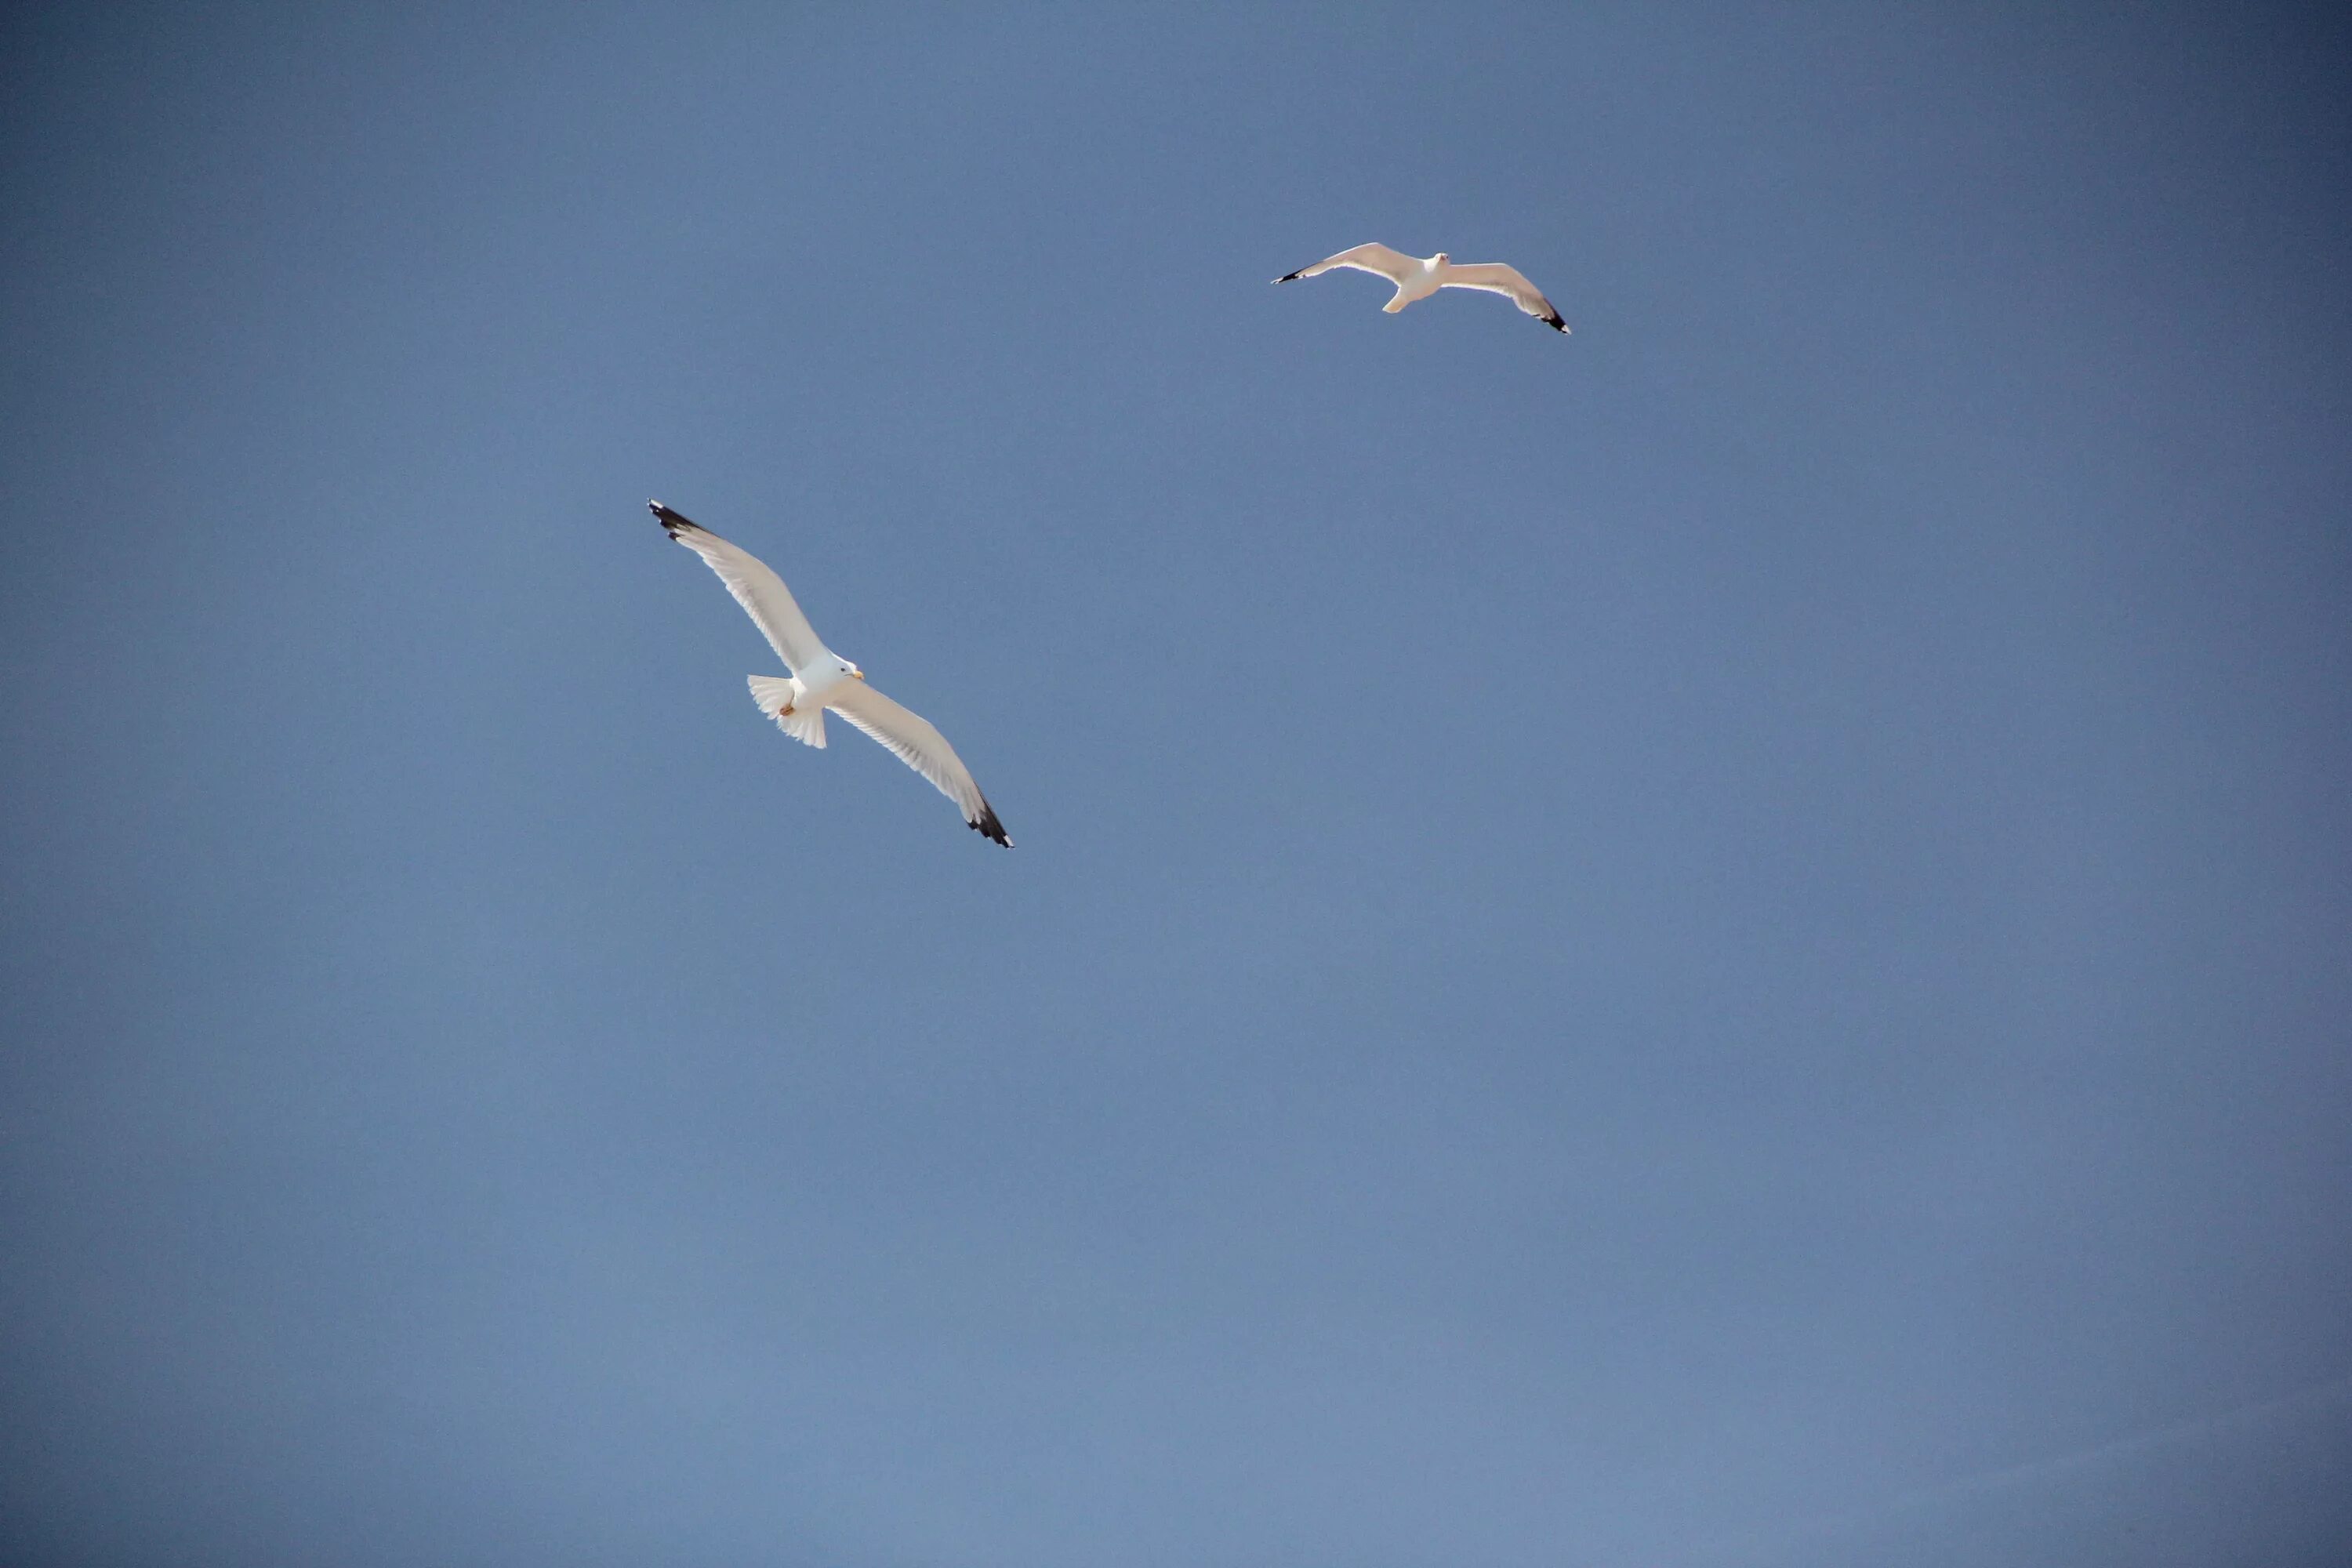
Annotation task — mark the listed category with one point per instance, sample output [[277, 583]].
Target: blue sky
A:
[[1719, 941]]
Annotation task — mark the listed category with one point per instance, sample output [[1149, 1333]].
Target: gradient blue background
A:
[[1727, 940]]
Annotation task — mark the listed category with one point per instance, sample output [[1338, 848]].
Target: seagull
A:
[[822, 678], [1418, 279]]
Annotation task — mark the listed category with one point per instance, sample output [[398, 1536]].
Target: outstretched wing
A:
[[1500, 278], [917, 742], [755, 586], [1393, 265]]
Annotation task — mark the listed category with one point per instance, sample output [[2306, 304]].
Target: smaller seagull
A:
[[822, 678], [1418, 279]]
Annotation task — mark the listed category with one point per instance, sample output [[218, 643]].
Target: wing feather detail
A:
[[1501, 277], [1377, 259], [755, 586], [915, 741]]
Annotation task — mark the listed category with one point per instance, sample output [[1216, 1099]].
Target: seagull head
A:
[[1441, 258], [847, 669]]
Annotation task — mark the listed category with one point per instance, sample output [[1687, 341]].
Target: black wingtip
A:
[[671, 521], [988, 826], [1289, 277]]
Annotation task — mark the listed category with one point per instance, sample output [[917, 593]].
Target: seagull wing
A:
[[917, 742], [756, 587], [1393, 265], [1499, 278]]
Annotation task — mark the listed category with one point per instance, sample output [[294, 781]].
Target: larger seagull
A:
[[822, 678], [1417, 279]]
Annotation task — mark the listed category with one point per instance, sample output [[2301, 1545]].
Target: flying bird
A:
[[1418, 279], [822, 678]]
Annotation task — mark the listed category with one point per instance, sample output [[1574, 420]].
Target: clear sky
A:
[[1726, 941]]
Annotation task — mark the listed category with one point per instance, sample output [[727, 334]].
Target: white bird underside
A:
[[1417, 279], [822, 680]]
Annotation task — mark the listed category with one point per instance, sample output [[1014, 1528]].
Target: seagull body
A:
[[1417, 278], [821, 679]]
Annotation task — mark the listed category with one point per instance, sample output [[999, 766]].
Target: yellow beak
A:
[[858, 673]]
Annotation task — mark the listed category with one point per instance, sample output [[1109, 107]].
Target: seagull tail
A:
[[774, 693]]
